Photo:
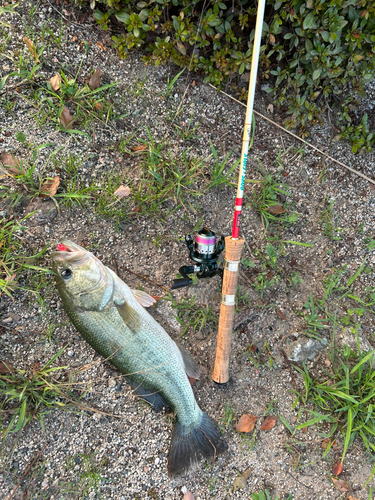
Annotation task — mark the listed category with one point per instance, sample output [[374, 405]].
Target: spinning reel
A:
[[204, 251]]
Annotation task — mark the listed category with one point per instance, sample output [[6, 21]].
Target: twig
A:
[[115, 265], [26, 471], [144, 278], [289, 366], [299, 138], [212, 444], [66, 19]]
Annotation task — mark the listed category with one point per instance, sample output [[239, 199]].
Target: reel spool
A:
[[204, 251]]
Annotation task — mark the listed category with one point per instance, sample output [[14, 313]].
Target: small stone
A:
[[157, 461]]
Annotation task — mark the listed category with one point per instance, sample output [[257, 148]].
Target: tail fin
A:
[[190, 444]]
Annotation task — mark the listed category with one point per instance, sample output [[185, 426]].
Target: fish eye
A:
[[66, 274]]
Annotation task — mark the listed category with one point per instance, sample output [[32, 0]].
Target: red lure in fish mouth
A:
[[61, 247]]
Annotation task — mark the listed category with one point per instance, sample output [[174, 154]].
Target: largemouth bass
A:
[[112, 319]]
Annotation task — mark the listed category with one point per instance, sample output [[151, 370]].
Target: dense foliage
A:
[[313, 51]]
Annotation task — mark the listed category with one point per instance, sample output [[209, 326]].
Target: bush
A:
[[313, 52]]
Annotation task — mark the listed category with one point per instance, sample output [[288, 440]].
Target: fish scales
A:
[[111, 318]]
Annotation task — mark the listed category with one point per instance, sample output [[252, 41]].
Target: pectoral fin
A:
[[129, 316], [144, 298]]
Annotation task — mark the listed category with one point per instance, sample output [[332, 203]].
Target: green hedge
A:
[[313, 52]]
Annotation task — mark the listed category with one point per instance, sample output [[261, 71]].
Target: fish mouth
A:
[[67, 251]]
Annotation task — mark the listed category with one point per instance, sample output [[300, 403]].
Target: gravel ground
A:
[[120, 449]]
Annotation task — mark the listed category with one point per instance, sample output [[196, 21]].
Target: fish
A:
[[112, 318]]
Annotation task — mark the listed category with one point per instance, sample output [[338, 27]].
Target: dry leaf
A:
[[66, 118], [98, 105], [94, 81], [75, 38], [268, 423], [30, 45], [100, 45], [337, 469], [304, 430], [5, 368], [11, 164], [270, 108], [340, 485], [136, 210], [276, 209], [240, 482], [139, 148], [352, 498], [324, 444], [191, 380], [121, 192], [55, 82], [49, 187], [246, 423], [181, 48], [281, 314], [272, 39]]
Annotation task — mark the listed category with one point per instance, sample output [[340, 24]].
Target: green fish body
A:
[[112, 319]]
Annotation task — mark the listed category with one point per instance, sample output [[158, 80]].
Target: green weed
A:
[[28, 394], [266, 201], [266, 495], [195, 317], [345, 395], [13, 256], [220, 173]]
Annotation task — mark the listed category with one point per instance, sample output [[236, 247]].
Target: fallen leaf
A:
[[188, 495], [94, 81], [327, 362], [337, 469], [272, 39], [304, 430], [136, 210], [98, 105], [10, 277], [240, 482], [324, 444], [191, 380], [75, 38], [268, 423], [340, 485], [181, 48], [270, 108], [5, 368], [139, 148], [66, 118], [352, 498], [30, 45], [49, 187], [121, 192], [276, 209], [55, 82], [193, 83], [11, 164], [281, 314], [101, 46], [246, 423]]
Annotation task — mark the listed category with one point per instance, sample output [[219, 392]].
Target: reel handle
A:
[[180, 283]]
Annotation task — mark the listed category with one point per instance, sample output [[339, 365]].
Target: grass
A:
[[194, 317], [345, 395], [330, 219], [267, 202], [14, 260], [30, 394]]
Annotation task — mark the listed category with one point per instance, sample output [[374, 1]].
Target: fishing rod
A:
[[233, 243]]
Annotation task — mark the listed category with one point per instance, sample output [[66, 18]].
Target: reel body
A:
[[204, 251]]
